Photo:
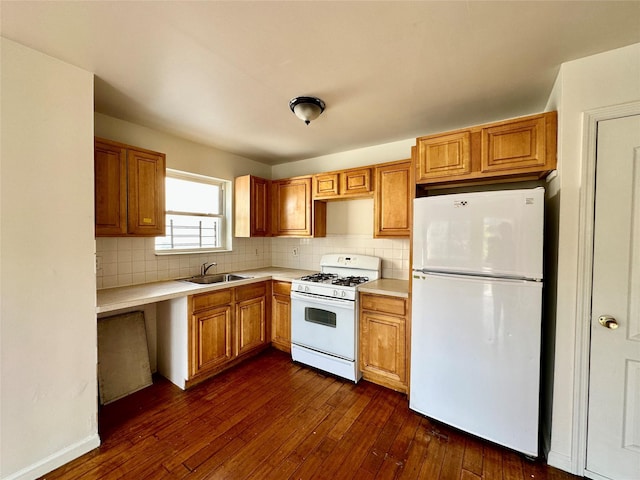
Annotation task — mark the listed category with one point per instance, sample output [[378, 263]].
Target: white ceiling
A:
[[222, 72]]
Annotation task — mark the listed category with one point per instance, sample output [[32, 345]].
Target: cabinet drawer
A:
[[516, 145], [356, 182], [211, 299], [253, 290], [325, 185], [443, 155], [281, 288], [380, 303]]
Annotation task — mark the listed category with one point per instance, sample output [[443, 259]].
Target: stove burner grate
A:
[[319, 277], [349, 281]]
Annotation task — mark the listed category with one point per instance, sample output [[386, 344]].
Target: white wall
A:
[[47, 275], [181, 154], [387, 152], [602, 80]]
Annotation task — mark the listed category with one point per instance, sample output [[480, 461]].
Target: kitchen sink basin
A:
[[215, 278]]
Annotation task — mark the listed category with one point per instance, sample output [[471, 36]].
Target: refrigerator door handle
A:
[[438, 273]]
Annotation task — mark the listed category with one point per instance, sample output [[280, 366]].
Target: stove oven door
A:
[[324, 324]]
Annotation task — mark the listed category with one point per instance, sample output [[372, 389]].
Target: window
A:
[[196, 214]]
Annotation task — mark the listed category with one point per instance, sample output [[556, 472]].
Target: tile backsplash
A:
[[128, 261], [393, 252]]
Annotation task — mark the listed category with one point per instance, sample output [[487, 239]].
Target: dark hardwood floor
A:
[[269, 418]]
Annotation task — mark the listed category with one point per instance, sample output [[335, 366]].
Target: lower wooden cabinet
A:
[[383, 340], [212, 336], [251, 317], [281, 316], [224, 326]]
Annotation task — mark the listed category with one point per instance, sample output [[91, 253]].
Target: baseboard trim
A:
[[594, 476], [561, 461], [56, 460]]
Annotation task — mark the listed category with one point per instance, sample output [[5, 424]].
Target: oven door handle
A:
[[322, 300]]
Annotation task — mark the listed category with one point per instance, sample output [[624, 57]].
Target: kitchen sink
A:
[[215, 278]]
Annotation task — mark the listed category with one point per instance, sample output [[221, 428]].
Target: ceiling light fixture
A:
[[306, 108]]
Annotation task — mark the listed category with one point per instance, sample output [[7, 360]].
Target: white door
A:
[[613, 437]]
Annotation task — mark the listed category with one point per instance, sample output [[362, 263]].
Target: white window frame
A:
[[225, 215]]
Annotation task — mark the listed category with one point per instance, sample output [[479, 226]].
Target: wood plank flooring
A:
[[269, 418]]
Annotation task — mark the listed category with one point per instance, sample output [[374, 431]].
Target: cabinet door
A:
[[281, 322], [392, 204], [383, 349], [251, 324], [356, 182], [211, 337], [326, 185], [281, 316], [251, 207], [146, 172], [516, 146], [259, 207], [292, 207], [110, 176], [443, 156]]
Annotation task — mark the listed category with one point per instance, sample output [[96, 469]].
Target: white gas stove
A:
[[339, 276], [324, 313]]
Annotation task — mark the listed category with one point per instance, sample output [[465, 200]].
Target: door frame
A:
[[585, 276]]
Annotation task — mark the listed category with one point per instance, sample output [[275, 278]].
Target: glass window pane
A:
[[194, 197], [190, 231], [195, 217]]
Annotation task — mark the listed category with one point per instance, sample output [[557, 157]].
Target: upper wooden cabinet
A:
[[444, 156], [518, 149], [355, 182], [326, 185], [523, 146], [392, 200], [129, 190], [294, 213], [252, 201]]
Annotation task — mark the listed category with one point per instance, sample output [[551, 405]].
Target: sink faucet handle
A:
[[206, 266]]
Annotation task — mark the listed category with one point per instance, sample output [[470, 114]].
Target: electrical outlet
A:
[[294, 252], [98, 263], [256, 252]]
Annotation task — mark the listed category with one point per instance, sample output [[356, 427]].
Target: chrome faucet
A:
[[206, 266]]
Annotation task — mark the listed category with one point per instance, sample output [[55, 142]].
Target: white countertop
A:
[[387, 286], [117, 298], [112, 299]]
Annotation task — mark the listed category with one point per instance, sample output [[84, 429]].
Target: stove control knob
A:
[[335, 293], [299, 288], [344, 294], [306, 289]]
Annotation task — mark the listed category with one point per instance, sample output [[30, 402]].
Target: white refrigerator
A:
[[476, 313]]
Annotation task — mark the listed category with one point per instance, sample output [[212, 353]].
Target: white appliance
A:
[[324, 314], [476, 313]]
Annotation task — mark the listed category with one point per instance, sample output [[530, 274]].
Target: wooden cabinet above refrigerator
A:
[[512, 150]]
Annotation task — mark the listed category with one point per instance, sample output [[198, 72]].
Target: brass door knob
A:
[[608, 321]]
